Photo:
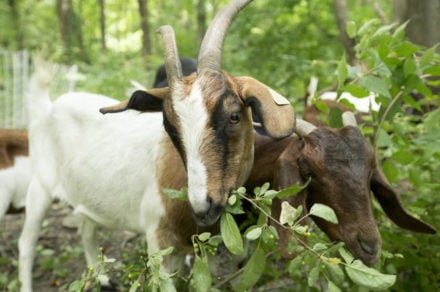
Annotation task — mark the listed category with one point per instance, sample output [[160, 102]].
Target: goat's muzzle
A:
[[211, 215]]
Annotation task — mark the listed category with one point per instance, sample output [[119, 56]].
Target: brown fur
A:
[[13, 143], [342, 167], [227, 145]]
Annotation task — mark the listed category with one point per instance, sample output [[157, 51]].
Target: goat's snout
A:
[[369, 250], [211, 215]]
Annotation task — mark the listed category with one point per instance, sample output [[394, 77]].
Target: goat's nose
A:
[[370, 247], [211, 215]]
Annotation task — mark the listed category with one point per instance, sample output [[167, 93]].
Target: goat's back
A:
[[100, 164]]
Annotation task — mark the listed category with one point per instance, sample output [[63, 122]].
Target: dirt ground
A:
[[60, 257]]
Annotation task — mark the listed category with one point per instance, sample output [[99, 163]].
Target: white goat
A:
[[112, 168], [15, 169]]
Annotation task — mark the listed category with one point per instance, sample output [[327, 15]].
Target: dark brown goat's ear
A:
[[272, 110], [390, 202], [145, 101]]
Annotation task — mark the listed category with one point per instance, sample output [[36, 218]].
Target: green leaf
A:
[[319, 246], [232, 199], [369, 277], [346, 255], [405, 49], [399, 33], [254, 233], [270, 194], [356, 90], [366, 26], [204, 236], [383, 139], [231, 234], [292, 190], [336, 272], [390, 170], [202, 280], [342, 71], [409, 67], [295, 264], [332, 287], [289, 213], [324, 212], [375, 84], [252, 271], [350, 27], [313, 276], [428, 56], [434, 70], [181, 194], [403, 157]]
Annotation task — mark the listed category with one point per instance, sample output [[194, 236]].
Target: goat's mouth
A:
[[368, 251], [210, 216]]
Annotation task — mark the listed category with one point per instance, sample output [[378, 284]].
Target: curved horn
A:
[[303, 128], [349, 119], [211, 48], [172, 61]]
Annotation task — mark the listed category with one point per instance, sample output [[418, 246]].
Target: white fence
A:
[[14, 79]]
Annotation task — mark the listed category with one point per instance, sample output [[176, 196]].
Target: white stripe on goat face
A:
[[193, 119]]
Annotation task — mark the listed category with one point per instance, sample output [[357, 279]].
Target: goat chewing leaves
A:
[[324, 212]]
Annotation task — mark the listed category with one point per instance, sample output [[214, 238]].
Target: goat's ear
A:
[[273, 111], [145, 101], [287, 174], [390, 202]]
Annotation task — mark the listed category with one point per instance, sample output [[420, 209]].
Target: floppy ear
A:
[[287, 174], [145, 101], [269, 108], [390, 202]]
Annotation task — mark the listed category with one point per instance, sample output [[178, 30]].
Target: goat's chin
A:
[[368, 258], [206, 220]]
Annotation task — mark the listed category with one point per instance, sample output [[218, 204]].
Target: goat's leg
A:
[[37, 204], [5, 202], [87, 231]]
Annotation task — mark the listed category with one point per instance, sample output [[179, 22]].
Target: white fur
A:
[[364, 104], [14, 182], [193, 118], [103, 165]]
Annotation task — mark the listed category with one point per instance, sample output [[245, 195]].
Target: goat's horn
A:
[[172, 62], [212, 44], [303, 128], [349, 119]]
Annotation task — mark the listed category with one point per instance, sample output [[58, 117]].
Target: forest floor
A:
[[60, 258]]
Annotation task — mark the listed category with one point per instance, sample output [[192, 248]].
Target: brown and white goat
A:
[[343, 171], [15, 170], [112, 168]]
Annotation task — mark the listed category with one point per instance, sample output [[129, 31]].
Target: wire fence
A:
[[15, 71]]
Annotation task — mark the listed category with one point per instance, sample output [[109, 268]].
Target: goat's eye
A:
[[234, 118]]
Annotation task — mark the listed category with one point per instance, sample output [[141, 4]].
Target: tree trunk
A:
[[64, 12], [102, 24], [424, 16], [201, 20], [146, 43], [341, 20]]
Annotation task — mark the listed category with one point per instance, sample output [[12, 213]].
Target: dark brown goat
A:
[[343, 171]]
